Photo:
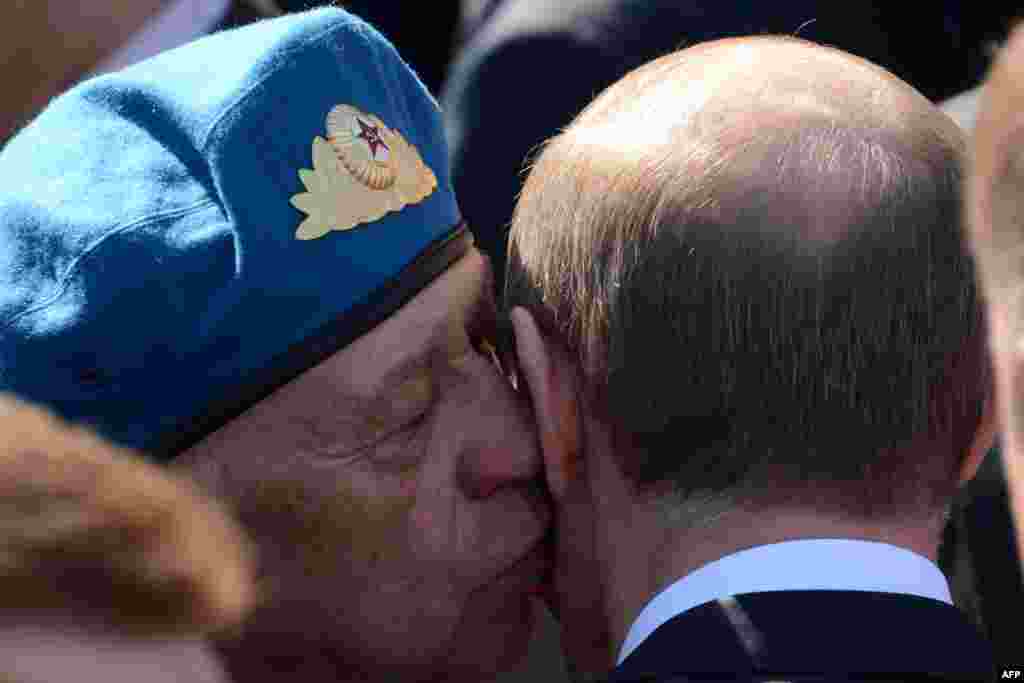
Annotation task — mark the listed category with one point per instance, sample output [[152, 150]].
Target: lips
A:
[[536, 564], [547, 589], [545, 585], [533, 569]]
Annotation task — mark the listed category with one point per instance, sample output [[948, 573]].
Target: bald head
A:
[[748, 243], [777, 112], [740, 86]]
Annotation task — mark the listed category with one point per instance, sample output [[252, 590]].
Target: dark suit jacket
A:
[[812, 636], [529, 66]]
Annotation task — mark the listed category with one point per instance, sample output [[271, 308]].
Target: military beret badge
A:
[[362, 171]]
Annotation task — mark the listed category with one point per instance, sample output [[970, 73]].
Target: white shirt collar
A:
[[176, 24], [818, 564]]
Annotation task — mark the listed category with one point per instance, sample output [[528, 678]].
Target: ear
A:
[[550, 381], [984, 440]]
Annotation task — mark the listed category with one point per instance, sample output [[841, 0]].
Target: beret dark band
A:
[[328, 340]]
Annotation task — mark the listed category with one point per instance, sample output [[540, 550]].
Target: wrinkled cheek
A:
[[327, 530], [431, 536], [431, 517]]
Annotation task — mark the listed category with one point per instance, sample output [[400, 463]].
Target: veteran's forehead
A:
[[449, 301], [432, 322]]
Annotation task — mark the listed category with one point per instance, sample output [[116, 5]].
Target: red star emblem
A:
[[372, 136]]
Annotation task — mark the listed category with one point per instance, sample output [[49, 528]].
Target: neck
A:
[[674, 551]]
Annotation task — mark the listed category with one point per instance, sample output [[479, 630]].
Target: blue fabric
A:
[[148, 260]]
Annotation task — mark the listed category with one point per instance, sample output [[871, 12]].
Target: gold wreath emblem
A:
[[363, 171]]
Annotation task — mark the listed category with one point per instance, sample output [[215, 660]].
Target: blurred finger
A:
[[995, 193]]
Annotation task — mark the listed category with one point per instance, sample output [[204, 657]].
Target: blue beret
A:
[[179, 239]]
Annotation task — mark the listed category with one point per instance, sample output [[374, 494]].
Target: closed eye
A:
[[372, 448]]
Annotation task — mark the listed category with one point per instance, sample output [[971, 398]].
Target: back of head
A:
[[753, 249]]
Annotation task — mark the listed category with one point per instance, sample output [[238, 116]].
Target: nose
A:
[[485, 470]]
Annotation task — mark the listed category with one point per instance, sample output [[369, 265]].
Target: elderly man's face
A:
[[393, 493]]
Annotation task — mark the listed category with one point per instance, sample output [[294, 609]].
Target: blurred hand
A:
[[995, 209]]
